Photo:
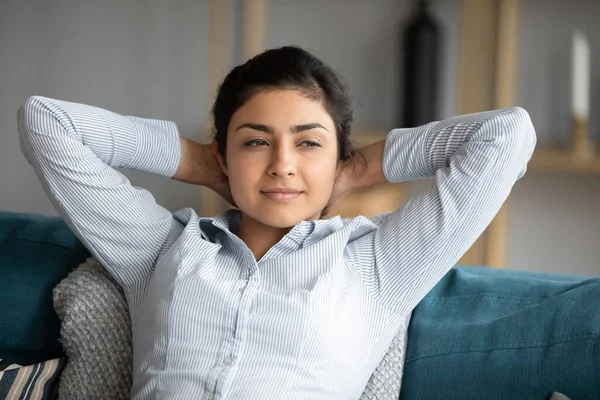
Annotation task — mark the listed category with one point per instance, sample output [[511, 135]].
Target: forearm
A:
[[118, 141], [418, 153]]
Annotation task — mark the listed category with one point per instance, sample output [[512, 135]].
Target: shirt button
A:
[[228, 361]]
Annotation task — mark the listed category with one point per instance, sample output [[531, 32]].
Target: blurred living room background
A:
[[164, 58]]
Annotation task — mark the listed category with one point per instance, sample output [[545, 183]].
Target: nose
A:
[[282, 163]]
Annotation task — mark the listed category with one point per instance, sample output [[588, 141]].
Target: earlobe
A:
[[223, 166], [217, 155]]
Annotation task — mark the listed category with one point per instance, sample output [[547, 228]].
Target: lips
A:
[[281, 193]]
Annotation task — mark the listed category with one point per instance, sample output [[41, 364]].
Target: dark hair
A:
[[288, 67]]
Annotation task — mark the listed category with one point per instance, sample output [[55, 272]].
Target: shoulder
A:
[[361, 227], [375, 219]]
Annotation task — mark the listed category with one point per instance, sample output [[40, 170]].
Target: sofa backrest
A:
[[36, 253]]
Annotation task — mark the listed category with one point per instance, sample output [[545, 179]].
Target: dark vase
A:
[[421, 41]]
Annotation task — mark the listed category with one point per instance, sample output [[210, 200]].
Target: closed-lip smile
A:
[[281, 194], [285, 190]]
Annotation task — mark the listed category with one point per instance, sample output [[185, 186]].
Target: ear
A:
[[217, 155]]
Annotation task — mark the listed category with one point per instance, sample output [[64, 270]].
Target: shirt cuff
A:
[[153, 146], [405, 155]]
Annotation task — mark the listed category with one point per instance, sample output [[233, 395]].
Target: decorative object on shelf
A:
[[582, 146], [422, 43]]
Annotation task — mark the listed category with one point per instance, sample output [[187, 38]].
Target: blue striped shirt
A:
[[314, 316]]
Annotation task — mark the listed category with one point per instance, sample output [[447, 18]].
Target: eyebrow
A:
[[293, 128]]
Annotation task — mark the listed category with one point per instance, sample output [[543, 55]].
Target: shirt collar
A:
[[303, 233]]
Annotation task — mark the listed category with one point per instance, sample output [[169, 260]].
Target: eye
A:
[[256, 143], [310, 144]]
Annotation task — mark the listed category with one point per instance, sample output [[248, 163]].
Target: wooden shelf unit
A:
[[555, 159]]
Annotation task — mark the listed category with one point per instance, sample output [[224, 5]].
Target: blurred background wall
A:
[[149, 59], [555, 216]]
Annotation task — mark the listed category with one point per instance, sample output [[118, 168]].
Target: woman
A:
[[271, 300]]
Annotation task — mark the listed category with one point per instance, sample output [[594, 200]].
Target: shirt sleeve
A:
[[73, 149], [475, 159]]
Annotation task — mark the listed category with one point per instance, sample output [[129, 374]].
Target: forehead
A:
[[282, 107]]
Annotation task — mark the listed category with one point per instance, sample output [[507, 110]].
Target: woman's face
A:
[[280, 140]]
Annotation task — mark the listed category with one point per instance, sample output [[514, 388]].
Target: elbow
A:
[[515, 133], [520, 137], [27, 119], [511, 133], [520, 132], [26, 114]]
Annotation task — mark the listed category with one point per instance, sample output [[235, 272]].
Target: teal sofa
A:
[[479, 334]]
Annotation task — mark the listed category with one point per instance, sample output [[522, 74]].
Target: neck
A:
[[259, 237]]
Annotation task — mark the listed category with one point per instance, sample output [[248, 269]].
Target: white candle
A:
[[580, 89]]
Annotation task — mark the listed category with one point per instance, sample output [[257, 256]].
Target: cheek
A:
[[321, 175], [242, 173]]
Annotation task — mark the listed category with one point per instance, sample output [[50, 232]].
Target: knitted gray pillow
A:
[[95, 332], [96, 335]]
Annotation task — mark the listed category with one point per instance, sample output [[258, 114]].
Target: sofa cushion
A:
[[36, 253], [485, 333]]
